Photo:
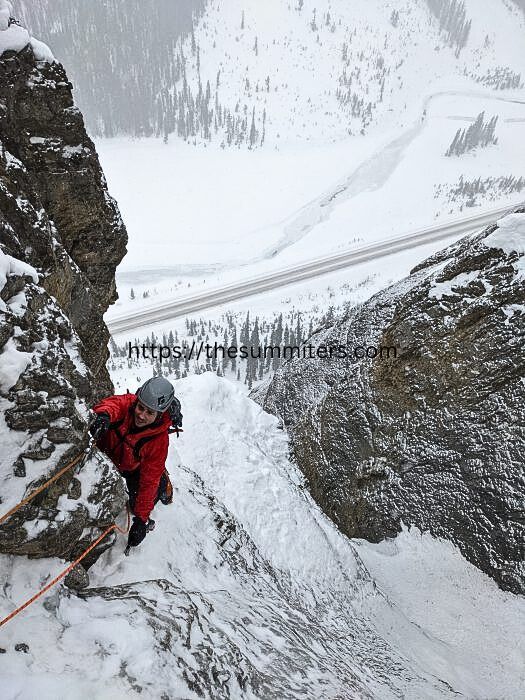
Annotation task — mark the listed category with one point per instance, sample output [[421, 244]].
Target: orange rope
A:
[[66, 571], [26, 500], [84, 553]]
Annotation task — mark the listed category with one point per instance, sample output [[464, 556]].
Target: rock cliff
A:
[[435, 436], [61, 237]]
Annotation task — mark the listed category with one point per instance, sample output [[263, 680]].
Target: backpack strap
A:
[[140, 444], [176, 417], [137, 446]]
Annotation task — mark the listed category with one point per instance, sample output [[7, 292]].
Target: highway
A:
[[218, 296]]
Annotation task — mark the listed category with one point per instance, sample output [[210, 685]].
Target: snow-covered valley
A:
[[254, 137], [189, 223]]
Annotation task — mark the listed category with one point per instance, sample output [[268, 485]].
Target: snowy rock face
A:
[[433, 437], [61, 238], [45, 132]]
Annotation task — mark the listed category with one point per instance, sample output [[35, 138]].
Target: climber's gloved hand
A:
[[137, 532], [99, 426]]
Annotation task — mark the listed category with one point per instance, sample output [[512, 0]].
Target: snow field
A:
[[278, 208], [307, 48], [186, 206], [457, 605]]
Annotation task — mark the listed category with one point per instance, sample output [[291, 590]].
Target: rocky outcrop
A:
[[433, 437], [61, 237], [45, 132]]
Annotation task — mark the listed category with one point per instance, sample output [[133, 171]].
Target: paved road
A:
[[182, 306]]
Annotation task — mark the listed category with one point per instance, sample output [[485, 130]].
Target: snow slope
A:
[[244, 571], [188, 221], [321, 70]]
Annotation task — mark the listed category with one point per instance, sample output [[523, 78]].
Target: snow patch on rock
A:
[[510, 234], [13, 37], [42, 51], [12, 266], [440, 289], [12, 363], [510, 237]]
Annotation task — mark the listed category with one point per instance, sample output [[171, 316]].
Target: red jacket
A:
[[132, 448]]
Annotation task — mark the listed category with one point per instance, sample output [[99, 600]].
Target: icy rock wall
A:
[[434, 437], [61, 238]]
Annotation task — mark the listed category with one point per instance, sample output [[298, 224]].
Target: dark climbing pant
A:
[[132, 482]]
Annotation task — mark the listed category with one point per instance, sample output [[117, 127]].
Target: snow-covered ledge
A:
[[13, 37]]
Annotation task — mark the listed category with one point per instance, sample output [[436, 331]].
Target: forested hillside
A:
[[319, 70], [119, 55]]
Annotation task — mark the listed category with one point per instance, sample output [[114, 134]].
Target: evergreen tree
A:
[[253, 131], [254, 339], [453, 23], [278, 341], [298, 330], [478, 134], [245, 331], [234, 345], [127, 94], [254, 351]]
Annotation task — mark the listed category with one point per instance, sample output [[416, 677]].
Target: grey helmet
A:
[[157, 394]]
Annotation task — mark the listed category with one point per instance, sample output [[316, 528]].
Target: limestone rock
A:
[[433, 437], [77, 579], [61, 238]]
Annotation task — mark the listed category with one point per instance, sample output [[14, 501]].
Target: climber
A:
[[132, 429]]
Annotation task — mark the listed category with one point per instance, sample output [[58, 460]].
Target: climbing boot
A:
[[165, 489]]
